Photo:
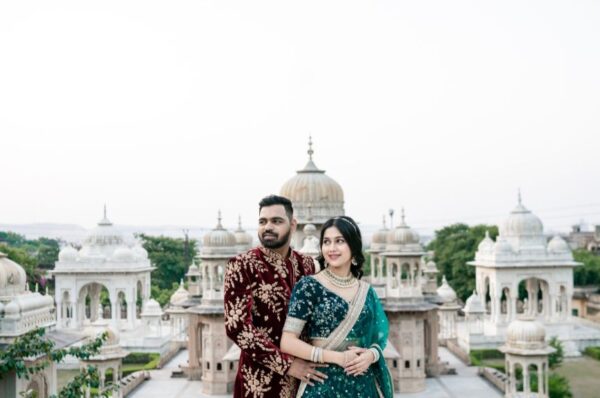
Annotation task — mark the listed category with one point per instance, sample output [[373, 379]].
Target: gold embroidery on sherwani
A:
[[257, 382], [235, 312], [233, 275], [276, 362], [272, 294]]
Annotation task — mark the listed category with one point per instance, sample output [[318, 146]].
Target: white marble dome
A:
[[502, 246], [403, 237], [180, 295], [316, 197], [104, 234], [521, 222], [13, 278], [151, 308], [193, 270], [446, 293], [140, 252], [526, 333], [67, 253], [487, 244], [431, 268], [474, 305], [123, 254], [242, 238], [312, 185], [524, 230], [558, 245], [379, 238], [310, 230], [219, 242], [218, 237]]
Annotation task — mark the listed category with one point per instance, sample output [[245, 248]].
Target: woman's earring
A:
[[354, 262]]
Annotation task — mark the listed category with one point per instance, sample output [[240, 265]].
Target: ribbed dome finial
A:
[[519, 196], [402, 217], [384, 224], [310, 150]]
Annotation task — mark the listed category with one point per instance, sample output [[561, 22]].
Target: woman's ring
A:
[[308, 376]]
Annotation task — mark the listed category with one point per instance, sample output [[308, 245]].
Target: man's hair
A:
[[272, 200]]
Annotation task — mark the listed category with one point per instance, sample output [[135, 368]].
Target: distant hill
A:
[[76, 233], [73, 233]]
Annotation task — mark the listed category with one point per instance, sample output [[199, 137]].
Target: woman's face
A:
[[335, 249]]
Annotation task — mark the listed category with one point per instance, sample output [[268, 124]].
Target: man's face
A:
[[274, 227]]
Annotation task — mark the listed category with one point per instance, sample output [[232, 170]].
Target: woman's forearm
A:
[[291, 344]]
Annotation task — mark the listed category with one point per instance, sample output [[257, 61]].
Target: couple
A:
[[331, 338]]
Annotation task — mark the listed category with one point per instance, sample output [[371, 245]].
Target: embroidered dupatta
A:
[[376, 337]]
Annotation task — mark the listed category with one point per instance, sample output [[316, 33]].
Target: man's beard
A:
[[276, 243]]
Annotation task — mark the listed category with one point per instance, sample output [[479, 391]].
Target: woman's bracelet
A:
[[316, 355], [376, 354]]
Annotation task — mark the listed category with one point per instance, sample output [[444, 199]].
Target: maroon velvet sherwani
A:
[[258, 286]]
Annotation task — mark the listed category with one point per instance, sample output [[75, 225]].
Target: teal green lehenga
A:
[[331, 322]]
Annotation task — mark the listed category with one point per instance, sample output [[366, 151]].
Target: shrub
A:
[[559, 386], [478, 356], [593, 352], [556, 358], [139, 357]]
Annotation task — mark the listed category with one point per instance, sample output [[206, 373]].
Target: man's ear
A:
[[294, 224]]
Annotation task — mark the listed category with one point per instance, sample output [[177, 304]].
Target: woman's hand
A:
[[363, 358]]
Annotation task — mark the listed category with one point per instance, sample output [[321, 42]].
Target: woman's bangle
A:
[[316, 355], [376, 354]]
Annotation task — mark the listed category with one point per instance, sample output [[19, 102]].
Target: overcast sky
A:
[[168, 111]]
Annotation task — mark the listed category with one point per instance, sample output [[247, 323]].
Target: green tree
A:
[[555, 359], [31, 254], [454, 246], [14, 358], [589, 272], [163, 295], [168, 255]]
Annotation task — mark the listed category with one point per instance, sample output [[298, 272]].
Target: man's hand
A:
[[306, 371]]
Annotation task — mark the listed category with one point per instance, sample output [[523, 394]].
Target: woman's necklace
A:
[[339, 281]]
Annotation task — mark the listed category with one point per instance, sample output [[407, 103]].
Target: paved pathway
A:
[[465, 384], [161, 385]]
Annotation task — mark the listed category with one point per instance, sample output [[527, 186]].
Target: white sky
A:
[[171, 110]]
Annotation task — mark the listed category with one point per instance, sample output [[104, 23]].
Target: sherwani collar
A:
[[279, 262]]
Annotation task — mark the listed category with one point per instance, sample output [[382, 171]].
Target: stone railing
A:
[[457, 350], [170, 354], [494, 376], [129, 383]]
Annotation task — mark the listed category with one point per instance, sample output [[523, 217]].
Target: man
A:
[[258, 286]]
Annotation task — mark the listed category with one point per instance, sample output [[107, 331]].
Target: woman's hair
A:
[[351, 234]]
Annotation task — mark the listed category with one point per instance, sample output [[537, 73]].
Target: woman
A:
[[342, 319]]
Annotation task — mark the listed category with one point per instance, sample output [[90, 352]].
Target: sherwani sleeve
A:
[[238, 320]]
